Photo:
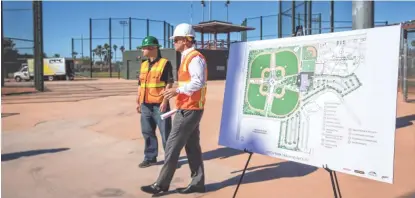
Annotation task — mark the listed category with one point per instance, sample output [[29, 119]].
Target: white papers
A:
[[168, 114]]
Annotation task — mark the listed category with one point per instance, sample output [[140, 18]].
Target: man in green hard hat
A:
[[156, 75]]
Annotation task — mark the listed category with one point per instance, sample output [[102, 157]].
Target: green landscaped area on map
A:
[[286, 104], [267, 74], [264, 88], [260, 63], [288, 60], [285, 73], [257, 100]]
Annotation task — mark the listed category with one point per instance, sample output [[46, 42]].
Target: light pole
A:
[[363, 14], [227, 10], [123, 24]]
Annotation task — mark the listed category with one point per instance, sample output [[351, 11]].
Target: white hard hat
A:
[[183, 29]]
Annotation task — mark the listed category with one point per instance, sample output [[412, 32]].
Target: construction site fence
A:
[[99, 54]]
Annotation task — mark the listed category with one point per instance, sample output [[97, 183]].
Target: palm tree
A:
[[107, 55], [94, 52], [74, 54], [99, 52], [115, 47]]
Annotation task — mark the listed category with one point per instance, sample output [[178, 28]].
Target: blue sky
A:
[[66, 20]]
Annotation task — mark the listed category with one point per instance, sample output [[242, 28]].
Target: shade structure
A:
[[218, 27]]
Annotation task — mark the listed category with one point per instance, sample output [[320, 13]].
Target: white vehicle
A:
[[22, 74], [53, 69]]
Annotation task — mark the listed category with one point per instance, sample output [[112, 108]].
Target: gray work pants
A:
[[185, 133]]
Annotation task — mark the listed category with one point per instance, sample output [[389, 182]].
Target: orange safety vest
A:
[[198, 98], [150, 85]]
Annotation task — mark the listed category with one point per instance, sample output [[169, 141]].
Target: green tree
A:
[[99, 52], [413, 43], [107, 56], [115, 47], [56, 55], [74, 54], [10, 53]]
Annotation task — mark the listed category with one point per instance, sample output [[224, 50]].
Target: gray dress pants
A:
[[185, 133]]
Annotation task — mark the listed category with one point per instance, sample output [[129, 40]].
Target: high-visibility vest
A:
[[151, 87], [198, 98]]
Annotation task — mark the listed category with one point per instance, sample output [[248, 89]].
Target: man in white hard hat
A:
[[190, 100]]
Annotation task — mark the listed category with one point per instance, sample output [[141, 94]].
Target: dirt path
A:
[[90, 147]]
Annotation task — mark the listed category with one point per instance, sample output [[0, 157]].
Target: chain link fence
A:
[[17, 43], [315, 18], [407, 63], [100, 54]]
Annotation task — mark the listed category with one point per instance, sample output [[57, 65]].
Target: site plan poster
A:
[[327, 99]]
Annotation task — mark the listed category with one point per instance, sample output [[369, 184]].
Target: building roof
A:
[[219, 27], [406, 24]]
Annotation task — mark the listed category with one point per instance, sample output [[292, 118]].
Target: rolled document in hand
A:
[[168, 114]]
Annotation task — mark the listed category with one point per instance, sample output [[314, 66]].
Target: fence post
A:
[[38, 45], [129, 32], [171, 32], [305, 18], [164, 34], [168, 35], [72, 48], [90, 46], [260, 28], [332, 16], [405, 66], [148, 27], [292, 17], [109, 54], [279, 19], [310, 16]]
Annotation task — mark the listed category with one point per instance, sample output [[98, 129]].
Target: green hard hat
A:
[[149, 41]]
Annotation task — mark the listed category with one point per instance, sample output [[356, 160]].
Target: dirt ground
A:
[[82, 139]]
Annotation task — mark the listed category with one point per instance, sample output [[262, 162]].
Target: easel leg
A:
[[243, 173], [334, 182], [337, 184]]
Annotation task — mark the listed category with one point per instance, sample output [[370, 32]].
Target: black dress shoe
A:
[[191, 189], [154, 189]]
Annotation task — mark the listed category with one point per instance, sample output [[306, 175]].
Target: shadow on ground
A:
[[405, 121], [265, 173], [221, 153], [409, 195], [3, 115], [13, 156]]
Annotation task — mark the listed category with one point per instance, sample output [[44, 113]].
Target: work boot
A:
[[147, 163]]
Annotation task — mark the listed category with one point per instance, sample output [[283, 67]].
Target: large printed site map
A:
[[327, 99], [282, 83]]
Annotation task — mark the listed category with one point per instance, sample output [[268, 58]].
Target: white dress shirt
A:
[[197, 74]]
